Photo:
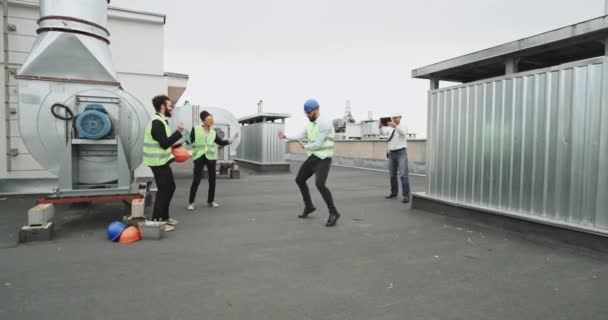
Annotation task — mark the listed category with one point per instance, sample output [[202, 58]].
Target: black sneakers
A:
[[307, 211], [333, 219]]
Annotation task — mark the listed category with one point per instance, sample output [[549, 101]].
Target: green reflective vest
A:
[[327, 148], [204, 145], [154, 155]]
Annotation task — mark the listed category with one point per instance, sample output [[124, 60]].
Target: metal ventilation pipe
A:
[[72, 44], [66, 80]]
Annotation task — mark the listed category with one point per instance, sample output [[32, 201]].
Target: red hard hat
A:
[[129, 235], [181, 154]]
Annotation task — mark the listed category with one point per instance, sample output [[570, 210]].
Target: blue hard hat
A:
[[310, 105], [115, 229]]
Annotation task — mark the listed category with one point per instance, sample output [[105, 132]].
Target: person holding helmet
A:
[[204, 142], [397, 157], [320, 150], [158, 141]]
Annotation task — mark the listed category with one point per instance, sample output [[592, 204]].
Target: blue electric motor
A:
[[93, 123]]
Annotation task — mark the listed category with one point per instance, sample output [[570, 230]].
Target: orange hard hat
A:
[[181, 154], [129, 235]]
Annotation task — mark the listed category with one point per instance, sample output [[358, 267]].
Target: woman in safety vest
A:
[[204, 153]]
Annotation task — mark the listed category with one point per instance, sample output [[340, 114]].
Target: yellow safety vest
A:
[[154, 155], [327, 148], [204, 145]]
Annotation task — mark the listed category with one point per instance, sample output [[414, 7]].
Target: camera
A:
[[385, 121]]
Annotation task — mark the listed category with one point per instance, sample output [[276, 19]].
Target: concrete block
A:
[[40, 214], [37, 233], [235, 174], [264, 168], [527, 229], [137, 208], [151, 230]]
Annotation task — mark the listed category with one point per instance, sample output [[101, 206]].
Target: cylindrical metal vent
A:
[[72, 44], [71, 65], [87, 19]]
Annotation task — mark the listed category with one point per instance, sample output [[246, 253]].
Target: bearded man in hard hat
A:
[[320, 149], [397, 157]]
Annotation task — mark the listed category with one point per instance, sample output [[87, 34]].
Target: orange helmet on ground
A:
[[130, 235]]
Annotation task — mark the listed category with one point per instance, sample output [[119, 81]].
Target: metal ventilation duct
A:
[[72, 44], [71, 65]]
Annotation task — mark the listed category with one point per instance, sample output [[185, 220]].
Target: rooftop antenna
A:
[[348, 115]]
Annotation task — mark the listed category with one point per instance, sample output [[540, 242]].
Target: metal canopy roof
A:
[[263, 117], [576, 42]]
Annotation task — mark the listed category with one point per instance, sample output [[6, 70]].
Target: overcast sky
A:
[[286, 51]]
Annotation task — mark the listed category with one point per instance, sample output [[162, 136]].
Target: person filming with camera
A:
[[397, 156]]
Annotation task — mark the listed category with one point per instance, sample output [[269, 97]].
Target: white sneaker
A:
[[191, 206], [172, 222], [213, 205], [169, 228]]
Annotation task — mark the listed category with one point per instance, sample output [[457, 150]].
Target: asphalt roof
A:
[[252, 258]]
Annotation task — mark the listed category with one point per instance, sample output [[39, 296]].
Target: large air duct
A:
[[69, 96], [72, 44]]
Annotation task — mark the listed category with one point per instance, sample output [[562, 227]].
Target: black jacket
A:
[[160, 135]]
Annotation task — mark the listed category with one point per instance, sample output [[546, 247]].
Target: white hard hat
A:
[[395, 114]]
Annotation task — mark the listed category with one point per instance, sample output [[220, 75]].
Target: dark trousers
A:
[[198, 175], [166, 188], [397, 164], [320, 168]]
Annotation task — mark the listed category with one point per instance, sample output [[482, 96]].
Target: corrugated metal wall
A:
[[260, 143], [532, 144]]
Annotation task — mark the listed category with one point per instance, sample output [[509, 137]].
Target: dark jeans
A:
[[166, 188], [397, 163], [320, 168], [198, 175]]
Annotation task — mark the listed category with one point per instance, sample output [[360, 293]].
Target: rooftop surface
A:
[[252, 258]]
